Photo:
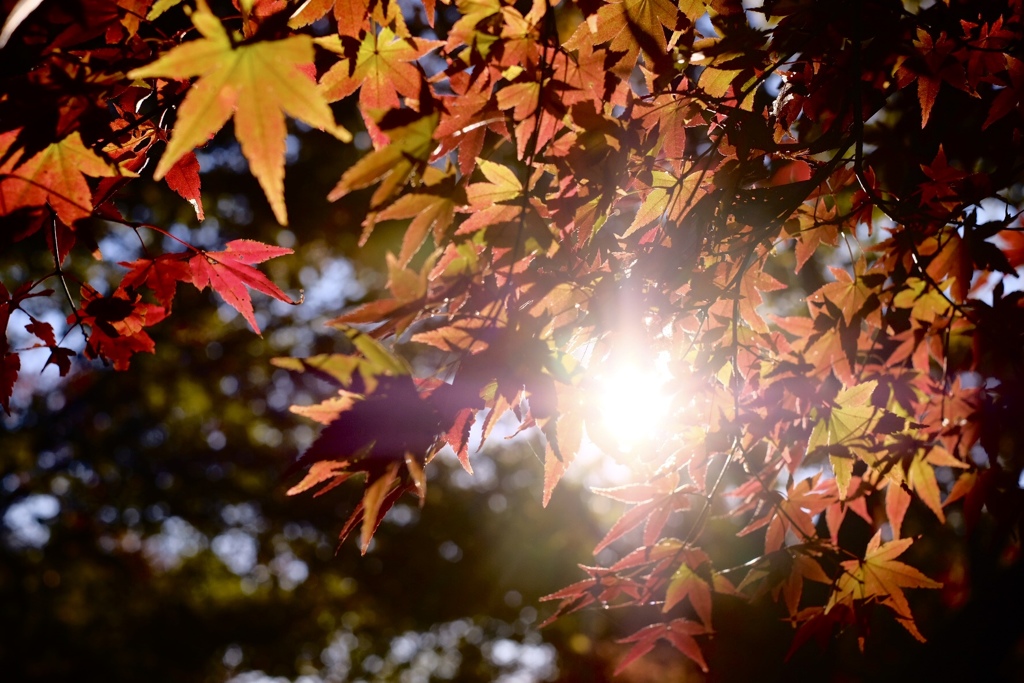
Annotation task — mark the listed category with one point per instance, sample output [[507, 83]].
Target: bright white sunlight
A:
[[633, 399]]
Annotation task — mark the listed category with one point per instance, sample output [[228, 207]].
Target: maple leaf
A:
[[620, 178], [382, 71], [161, 275], [357, 372], [230, 274], [331, 473], [672, 115], [54, 176], [409, 148], [495, 200], [793, 512], [159, 7], [183, 178], [687, 583], [10, 365], [473, 29], [353, 16], [879, 576], [925, 302], [630, 26], [258, 83], [1008, 98], [365, 436], [379, 496], [847, 431], [751, 286], [117, 325], [783, 572], [921, 476], [897, 501], [715, 81], [940, 67], [362, 438], [431, 208], [43, 331], [848, 294], [329, 410], [466, 117], [806, 565], [534, 114], [653, 514], [820, 625], [679, 633], [10, 361], [809, 240]]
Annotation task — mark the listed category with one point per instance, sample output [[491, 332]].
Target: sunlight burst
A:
[[634, 401]]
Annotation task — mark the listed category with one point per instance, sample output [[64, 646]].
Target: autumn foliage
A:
[[808, 212]]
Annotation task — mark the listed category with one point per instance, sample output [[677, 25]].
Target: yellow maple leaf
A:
[[258, 83], [881, 577], [408, 151]]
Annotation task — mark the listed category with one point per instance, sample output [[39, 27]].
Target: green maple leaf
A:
[[849, 425], [258, 83]]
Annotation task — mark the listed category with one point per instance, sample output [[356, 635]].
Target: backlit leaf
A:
[[54, 176], [230, 274], [257, 83], [881, 577], [383, 69]]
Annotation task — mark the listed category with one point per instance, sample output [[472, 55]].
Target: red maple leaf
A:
[[161, 274], [183, 178], [230, 274], [116, 325], [10, 364]]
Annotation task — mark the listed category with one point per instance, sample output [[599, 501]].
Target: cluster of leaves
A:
[[100, 122], [588, 181]]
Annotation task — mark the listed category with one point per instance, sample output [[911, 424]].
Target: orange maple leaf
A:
[[54, 176], [679, 633], [258, 83], [628, 27], [848, 294], [383, 69]]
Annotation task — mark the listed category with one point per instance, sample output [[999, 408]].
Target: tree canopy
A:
[[764, 256]]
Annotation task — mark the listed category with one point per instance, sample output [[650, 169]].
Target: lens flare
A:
[[633, 401]]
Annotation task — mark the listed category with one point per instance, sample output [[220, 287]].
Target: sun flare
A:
[[633, 401]]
